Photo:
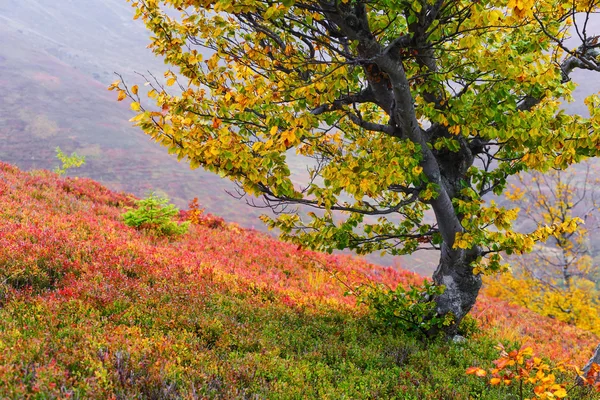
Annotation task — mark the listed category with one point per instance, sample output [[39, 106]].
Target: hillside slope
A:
[[56, 61], [92, 308]]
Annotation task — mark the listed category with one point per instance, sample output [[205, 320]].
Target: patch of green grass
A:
[[225, 345]]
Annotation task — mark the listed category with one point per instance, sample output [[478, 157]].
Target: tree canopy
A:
[[405, 112]]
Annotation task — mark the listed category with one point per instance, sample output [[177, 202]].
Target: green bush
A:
[[410, 310], [72, 161], [156, 215], [468, 326]]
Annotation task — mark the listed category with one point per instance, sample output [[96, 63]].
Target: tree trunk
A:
[[594, 360], [462, 286]]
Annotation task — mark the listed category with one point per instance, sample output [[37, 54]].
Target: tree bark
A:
[[462, 286], [594, 360]]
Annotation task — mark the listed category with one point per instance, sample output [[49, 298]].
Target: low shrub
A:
[[156, 215], [67, 162], [411, 310], [196, 216], [531, 377]]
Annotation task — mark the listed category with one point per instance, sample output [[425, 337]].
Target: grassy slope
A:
[[92, 309]]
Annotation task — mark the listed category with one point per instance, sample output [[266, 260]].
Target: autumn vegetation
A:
[[559, 278], [94, 308], [409, 116]]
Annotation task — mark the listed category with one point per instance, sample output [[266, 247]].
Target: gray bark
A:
[[454, 270], [462, 286], [594, 360]]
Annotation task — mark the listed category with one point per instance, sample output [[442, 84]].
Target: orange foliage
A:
[[194, 211], [532, 374]]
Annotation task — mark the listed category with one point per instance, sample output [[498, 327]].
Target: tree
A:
[[557, 277], [402, 110]]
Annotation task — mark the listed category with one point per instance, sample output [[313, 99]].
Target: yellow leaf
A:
[[495, 15], [135, 106], [134, 89], [560, 393], [476, 371], [461, 244], [114, 85], [528, 351], [257, 146], [454, 129], [137, 117], [288, 137], [121, 95], [171, 81]]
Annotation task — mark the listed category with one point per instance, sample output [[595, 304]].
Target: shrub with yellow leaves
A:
[[531, 375], [557, 278], [577, 305]]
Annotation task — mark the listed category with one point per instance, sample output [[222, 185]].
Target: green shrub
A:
[[156, 215], [66, 162], [410, 310], [468, 326]]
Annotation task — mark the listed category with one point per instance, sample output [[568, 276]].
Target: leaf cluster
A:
[[530, 375], [67, 162]]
